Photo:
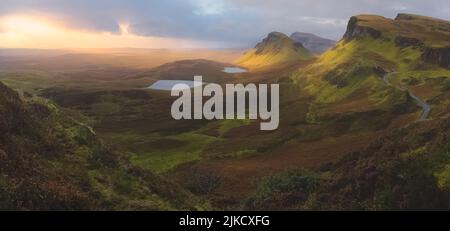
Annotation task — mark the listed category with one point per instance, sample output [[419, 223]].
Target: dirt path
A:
[[426, 108]]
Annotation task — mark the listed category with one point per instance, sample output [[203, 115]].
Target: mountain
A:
[[51, 161], [312, 42], [379, 68], [277, 49], [407, 30], [352, 134], [412, 48]]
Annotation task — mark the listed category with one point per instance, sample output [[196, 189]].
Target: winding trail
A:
[[426, 108]]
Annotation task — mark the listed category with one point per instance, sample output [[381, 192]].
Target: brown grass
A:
[[239, 177]]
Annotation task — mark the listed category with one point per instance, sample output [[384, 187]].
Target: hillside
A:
[[276, 49], [372, 47], [393, 173], [351, 134], [380, 65], [312, 42], [50, 161]]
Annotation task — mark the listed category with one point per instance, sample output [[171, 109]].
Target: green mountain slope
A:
[[275, 50], [406, 165], [372, 47]]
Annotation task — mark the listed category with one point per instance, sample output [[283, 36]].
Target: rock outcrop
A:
[[438, 56], [356, 30], [402, 41]]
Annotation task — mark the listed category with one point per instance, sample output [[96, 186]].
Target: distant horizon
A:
[[185, 24], [126, 48], [242, 47]]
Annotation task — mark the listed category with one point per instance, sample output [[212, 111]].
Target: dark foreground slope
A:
[[407, 169], [50, 161]]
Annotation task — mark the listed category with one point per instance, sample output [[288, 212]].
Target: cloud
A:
[[210, 7], [324, 21], [230, 22], [22, 31]]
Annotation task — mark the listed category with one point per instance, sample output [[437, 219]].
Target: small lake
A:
[[234, 70], [167, 85]]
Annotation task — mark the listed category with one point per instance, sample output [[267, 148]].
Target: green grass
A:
[[352, 66], [443, 177], [420, 75], [160, 161], [124, 191], [279, 186], [227, 125]]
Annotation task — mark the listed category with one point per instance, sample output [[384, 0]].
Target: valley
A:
[[364, 125]]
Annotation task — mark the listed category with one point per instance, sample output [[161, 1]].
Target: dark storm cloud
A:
[[239, 22]]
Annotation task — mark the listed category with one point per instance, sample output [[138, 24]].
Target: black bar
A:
[[260, 220]]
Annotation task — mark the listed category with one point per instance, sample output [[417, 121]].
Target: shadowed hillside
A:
[[50, 161], [312, 42]]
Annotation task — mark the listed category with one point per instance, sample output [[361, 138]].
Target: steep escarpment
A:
[[277, 49], [431, 35], [439, 56], [356, 27], [434, 39], [414, 47]]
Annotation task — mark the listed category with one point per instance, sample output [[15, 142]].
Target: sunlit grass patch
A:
[[161, 161]]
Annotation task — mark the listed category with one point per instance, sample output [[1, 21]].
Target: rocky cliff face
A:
[[402, 41], [430, 35], [356, 30], [439, 56]]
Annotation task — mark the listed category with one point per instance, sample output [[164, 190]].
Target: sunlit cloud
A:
[[235, 23], [21, 31]]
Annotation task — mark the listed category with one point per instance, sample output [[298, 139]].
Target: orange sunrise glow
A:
[[20, 31]]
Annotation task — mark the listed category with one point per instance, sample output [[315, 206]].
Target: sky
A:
[[185, 23]]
